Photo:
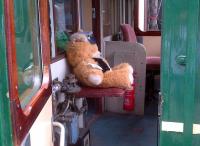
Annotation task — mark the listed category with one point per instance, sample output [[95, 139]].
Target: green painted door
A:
[[180, 75], [6, 138]]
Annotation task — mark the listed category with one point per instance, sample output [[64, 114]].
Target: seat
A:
[[128, 33], [152, 62], [117, 52], [98, 94]]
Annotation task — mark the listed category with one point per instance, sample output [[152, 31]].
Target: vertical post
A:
[[78, 15], [97, 22]]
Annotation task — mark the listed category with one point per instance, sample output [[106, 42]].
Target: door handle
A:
[[181, 60]]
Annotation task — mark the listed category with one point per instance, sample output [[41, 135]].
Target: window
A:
[[28, 53], [107, 18], [64, 15], [147, 19], [85, 15], [66, 22], [112, 16], [115, 13], [129, 5]]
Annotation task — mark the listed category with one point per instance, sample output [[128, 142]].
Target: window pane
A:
[[64, 21], [113, 14], [150, 15], [27, 49], [86, 15], [141, 15], [107, 26], [129, 5]]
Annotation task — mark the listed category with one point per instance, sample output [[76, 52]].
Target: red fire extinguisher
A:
[[129, 99]]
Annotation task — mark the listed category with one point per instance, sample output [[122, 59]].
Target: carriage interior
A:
[[121, 38]]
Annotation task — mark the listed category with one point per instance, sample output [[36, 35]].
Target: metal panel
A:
[[5, 115], [180, 77]]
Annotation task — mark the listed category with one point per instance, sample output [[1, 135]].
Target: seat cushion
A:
[[153, 62]]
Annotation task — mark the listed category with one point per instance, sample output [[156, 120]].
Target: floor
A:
[[112, 129]]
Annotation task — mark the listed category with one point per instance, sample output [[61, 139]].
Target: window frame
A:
[[22, 119], [136, 23]]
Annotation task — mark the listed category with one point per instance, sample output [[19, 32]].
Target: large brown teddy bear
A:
[[91, 70]]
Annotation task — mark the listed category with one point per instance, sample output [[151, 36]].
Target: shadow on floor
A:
[[113, 129]]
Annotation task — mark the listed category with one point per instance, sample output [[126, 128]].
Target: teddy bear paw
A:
[[130, 69], [95, 79], [131, 79]]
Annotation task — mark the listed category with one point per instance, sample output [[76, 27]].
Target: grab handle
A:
[[62, 132]]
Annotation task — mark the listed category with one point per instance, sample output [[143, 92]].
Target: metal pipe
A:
[[62, 132]]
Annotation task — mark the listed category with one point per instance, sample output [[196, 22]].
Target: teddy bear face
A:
[[81, 51]]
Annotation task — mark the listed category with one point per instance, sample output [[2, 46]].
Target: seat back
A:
[[128, 33], [130, 36], [117, 52]]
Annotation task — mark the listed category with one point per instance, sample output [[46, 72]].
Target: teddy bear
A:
[[91, 69]]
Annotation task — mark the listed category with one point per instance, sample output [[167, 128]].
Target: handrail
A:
[[62, 132]]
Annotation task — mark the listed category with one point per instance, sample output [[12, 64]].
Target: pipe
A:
[[62, 132]]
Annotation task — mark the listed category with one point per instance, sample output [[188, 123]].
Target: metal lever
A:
[[181, 60]]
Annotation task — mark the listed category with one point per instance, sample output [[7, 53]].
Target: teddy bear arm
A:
[[88, 76]]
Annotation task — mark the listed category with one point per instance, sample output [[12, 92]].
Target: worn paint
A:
[[6, 138], [196, 129], [180, 78], [172, 126]]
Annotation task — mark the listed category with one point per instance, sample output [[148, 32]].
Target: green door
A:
[[180, 77]]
